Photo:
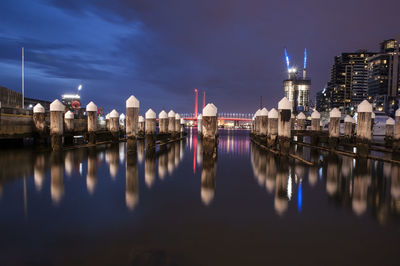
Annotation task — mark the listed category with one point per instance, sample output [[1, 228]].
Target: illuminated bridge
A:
[[223, 116]]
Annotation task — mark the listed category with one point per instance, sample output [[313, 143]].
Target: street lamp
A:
[[79, 88]]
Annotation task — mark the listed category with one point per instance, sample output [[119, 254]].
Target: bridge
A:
[[224, 116]]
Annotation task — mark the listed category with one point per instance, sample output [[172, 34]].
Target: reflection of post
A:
[[182, 149], [270, 172], [395, 184], [332, 176], [39, 172], [176, 153], [150, 166], [171, 159], [199, 151], [208, 175], [281, 192], [69, 162], [362, 180], [57, 178], [132, 181], [162, 163], [140, 151], [91, 179], [112, 158], [313, 170]]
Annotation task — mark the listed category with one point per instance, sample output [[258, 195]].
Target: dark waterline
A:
[[100, 206]]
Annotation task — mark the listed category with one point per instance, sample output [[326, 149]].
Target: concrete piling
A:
[[209, 128], [56, 124], [263, 122], [272, 127], [292, 121], [334, 127], [301, 125], [257, 122], [199, 124], [108, 121], [389, 132], [284, 127], [171, 123], [163, 122], [69, 127], [39, 122], [114, 125], [177, 124], [372, 122], [364, 133], [315, 127], [150, 129], [141, 127], [396, 136], [91, 110], [132, 117], [348, 128], [182, 128]]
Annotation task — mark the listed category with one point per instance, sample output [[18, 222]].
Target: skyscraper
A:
[[384, 77]]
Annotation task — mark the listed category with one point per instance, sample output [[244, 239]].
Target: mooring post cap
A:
[[132, 102], [38, 108]]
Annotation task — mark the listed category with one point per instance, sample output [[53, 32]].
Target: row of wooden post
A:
[[136, 126], [276, 126]]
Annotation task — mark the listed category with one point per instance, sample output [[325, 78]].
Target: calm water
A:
[[246, 207]]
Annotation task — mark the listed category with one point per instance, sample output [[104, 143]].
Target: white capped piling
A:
[[199, 124], [301, 121], [209, 123], [334, 125], [263, 122], [163, 122], [257, 122], [396, 136], [315, 121], [272, 127], [56, 124], [171, 122], [69, 121], [182, 127], [91, 110], [253, 124], [114, 125], [389, 132], [141, 126], [132, 117], [348, 127], [39, 122], [150, 124], [284, 128], [177, 124], [108, 121], [364, 134]]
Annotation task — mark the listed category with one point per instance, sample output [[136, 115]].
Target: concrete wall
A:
[[10, 98]]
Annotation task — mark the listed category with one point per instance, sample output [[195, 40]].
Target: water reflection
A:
[[208, 173], [132, 181], [39, 171], [57, 178]]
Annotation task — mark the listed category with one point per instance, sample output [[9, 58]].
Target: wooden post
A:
[[56, 124], [163, 122], [122, 123], [209, 128], [272, 127], [182, 128], [284, 127], [108, 121], [334, 127], [132, 117], [39, 122], [301, 125], [396, 136], [171, 123], [141, 126], [177, 124], [69, 127], [315, 127], [150, 129], [292, 121], [263, 122], [257, 122], [348, 127], [91, 110], [364, 134], [114, 125], [389, 132]]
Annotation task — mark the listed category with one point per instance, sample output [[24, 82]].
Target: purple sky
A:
[[160, 51]]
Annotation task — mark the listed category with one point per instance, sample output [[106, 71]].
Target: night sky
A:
[[161, 50]]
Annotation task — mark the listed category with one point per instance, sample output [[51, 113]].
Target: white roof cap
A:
[[335, 113], [263, 112], [122, 116], [38, 108], [200, 116], [69, 115], [301, 116], [114, 114], [284, 104], [210, 110], [171, 113], [257, 113], [56, 105], [132, 102], [163, 114], [390, 121], [91, 107], [316, 115], [273, 113], [150, 114], [364, 107], [177, 116], [108, 116], [141, 119]]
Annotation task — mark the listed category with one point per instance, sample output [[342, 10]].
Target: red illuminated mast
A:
[[195, 104]]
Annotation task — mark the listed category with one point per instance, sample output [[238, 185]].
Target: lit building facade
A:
[[297, 90]]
